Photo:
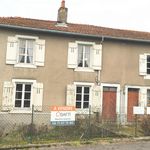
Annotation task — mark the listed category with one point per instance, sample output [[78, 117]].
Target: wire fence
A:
[[20, 127]]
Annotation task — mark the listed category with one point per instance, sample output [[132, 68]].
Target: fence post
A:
[[32, 115], [136, 124], [89, 126]]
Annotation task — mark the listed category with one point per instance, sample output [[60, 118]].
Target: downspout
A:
[[98, 75]]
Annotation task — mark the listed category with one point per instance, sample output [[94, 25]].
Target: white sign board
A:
[[62, 115], [138, 110], [148, 110]]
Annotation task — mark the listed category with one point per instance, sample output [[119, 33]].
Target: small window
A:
[[109, 89], [23, 95], [133, 89], [84, 55], [82, 97], [148, 97]]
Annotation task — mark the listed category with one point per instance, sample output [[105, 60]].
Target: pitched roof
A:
[[89, 30]]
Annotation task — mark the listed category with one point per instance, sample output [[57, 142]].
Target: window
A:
[[26, 47], [82, 96], [144, 65], [25, 51], [148, 97], [23, 95], [84, 56], [148, 64]]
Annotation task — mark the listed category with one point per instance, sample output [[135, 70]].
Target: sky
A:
[[121, 14]]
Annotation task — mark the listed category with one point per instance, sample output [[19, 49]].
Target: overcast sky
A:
[[122, 14]]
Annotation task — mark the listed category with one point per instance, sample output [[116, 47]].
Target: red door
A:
[[109, 103], [133, 96]]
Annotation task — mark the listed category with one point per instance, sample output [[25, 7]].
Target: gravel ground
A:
[[140, 145]]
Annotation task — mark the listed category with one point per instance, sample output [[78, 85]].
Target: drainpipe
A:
[[98, 75]]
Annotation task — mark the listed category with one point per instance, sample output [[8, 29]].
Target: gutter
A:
[[73, 33]]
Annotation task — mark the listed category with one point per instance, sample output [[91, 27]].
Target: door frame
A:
[[126, 98], [117, 96]]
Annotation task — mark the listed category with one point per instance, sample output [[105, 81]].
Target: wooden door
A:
[[109, 103], [133, 96]]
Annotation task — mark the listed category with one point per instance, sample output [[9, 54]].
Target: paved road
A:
[[140, 145]]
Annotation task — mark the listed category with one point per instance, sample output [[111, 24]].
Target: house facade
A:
[[47, 63]]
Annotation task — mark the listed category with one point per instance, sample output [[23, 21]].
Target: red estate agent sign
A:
[[62, 115]]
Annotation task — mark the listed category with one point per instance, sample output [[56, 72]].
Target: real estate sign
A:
[[137, 110], [62, 115]]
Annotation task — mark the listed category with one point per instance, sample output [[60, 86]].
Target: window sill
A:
[[148, 110], [84, 69], [147, 77], [82, 111], [25, 66], [21, 110]]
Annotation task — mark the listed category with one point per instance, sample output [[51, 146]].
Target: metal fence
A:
[[34, 127]]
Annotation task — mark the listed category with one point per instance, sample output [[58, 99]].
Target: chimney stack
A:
[[62, 13]]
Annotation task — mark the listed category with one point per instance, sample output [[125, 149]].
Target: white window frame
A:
[[147, 76], [84, 110], [143, 65], [20, 109], [26, 65], [85, 69], [25, 54]]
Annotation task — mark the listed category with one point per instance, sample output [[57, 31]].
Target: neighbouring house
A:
[[46, 63]]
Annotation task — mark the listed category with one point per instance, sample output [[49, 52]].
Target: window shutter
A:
[[11, 54], [39, 52], [70, 101], [37, 96], [143, 65], [96, 98], [72, 55], [7, 101], [143, 97], [97, 57]]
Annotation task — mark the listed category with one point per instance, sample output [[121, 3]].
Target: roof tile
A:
[[74, 28]]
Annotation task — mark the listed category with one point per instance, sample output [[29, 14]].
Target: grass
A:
[[46, 135]]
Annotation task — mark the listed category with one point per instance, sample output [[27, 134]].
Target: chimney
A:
[[62, 14]]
